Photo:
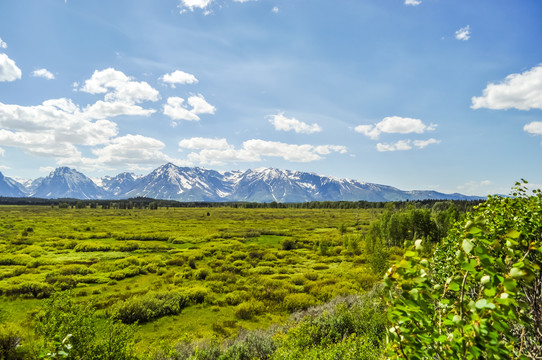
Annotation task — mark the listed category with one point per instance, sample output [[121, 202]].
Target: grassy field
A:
[[182, 273]]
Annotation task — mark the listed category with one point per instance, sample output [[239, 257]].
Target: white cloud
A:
[[104, 109], [177, 110], [534, 127], [275, 10], [43, 73], [400, 145], [463, 33], [118, 87], [179, 77], [52, 129], [413, 2], [200, 143], [136, 152], [3, 44], [200, 106], [2, 151], [131, 150], [403, 145], [394, 125], [282, 123], [8, 69], [218, 151], [420, 144], [519, 91], [192, 4]]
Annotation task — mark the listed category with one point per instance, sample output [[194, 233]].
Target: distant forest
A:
[[149, 203]]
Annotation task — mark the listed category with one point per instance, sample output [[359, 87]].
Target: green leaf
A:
[[453, 286], [516, 273], [509, 284], [467, 245], [513, 234]]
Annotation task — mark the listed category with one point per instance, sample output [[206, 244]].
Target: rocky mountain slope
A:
[[172, 182]]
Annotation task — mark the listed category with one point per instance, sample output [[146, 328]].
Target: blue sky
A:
[[430, 94]]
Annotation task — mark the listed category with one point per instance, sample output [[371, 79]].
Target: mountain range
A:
[[171, 182]]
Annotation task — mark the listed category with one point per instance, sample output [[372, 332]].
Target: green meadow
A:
[[182, 274]]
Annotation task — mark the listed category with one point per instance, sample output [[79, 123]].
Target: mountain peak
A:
[[172, 182]]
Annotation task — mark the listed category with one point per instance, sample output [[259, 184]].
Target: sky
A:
[[418, 94]]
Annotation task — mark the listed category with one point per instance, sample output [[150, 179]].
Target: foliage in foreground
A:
[[479, 296], [346, 328]]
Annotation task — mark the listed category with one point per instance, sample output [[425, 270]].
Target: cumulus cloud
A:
[[118, 87], [200, 106], [131, 150], [136, 152], [194, 4], [275, 10], [204, 143], [218, 151], [534, 128], [52, 129], [463, 33], [413, 2], [105, 109], [403, 145], [519, 91], [43, 73], [394, 125], [3, 44], [179, 77], [177, 110], [282, 123], [8, 69]]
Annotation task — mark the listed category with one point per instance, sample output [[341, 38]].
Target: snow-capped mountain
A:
[[172, 182], [181, 183], [64, 182], [119, 184], [10, 187]]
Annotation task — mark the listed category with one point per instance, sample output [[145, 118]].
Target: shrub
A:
[[288, 244], [236, 297], [293, 302], [92, 246], [38, 290], [249, 309], [251, 345], [311, 275], [10, 339], [320, 267], [263, 270], [196, 294], [150, 306], [479, 295], [202, 274]]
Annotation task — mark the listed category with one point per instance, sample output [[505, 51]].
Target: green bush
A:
[[10, 341], [478, 297], [247, 310], [35, 289], [92, 246], [288, 244], [150, 306], [293, 302]]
